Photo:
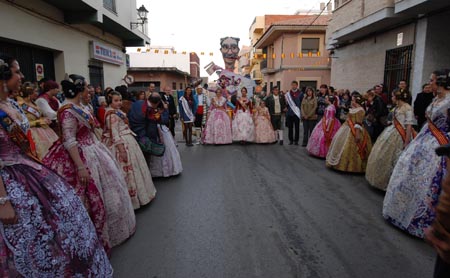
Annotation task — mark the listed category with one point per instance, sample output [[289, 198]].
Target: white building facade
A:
[[52, 38]]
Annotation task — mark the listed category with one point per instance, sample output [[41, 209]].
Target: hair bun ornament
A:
[[3, 63]]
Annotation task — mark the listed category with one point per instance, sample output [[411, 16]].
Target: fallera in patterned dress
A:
[[415, 184], [42, 134], [345, 154], [243, 128], [264, 132], [107, 183], [218, 126], [137, 175], [323, 133], [388, 148], [54, 236]]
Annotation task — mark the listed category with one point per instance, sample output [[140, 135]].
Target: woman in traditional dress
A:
[[148, 120], [89, 167], [264, 132], [44, 228], [43, 136], [351, 145], [415, 184], [119, 138], [243, 128], [187, 108], [324, 132], [391, 142], [218, 126]]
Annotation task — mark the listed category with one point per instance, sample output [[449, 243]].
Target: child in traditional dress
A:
[[119, 138], [263, 127]]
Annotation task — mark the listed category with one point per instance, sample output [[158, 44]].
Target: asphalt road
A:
[[266, 211]]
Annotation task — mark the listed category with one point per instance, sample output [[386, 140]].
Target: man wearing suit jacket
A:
[[293, 101], [276, 104], [167, 97]]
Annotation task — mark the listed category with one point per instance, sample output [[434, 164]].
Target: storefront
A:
[[51, 39]]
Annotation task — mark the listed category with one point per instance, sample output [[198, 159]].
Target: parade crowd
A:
[[75, 166]]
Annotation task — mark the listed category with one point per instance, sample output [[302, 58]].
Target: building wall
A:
[[353, 10], [287, 76], [70, 44], [437, 50], [360, 66], [151, 59], [315, 68], [161, 78]]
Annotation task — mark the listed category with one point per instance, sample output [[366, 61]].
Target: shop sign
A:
[[107, 54]]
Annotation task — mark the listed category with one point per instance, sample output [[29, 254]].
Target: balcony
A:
[[92, 12]]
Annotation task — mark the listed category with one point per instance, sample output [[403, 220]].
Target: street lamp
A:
[[142, 14]]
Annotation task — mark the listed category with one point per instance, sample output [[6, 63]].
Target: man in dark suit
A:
[[167, 98], [276, 104], [293, 101]]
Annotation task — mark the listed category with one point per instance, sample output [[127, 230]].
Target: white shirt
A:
[[277, 107], [200, 100], [45, 108]]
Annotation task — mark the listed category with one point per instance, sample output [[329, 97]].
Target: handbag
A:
[[152, 148], [147, 145]]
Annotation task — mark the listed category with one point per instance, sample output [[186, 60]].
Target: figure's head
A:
[[199, 90], [330, 99], [10, 74], [151, 87], [309, 92], [275, 91], [51, 88], [73, 87], [357, 99], [218, 92], [114, 100], [294, 85], [29, 90], [440, 80], [244, 91], [188, 91], [154, 98], [229, 46], [400, 95]]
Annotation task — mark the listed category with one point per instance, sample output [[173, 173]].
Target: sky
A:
[[198, 25]]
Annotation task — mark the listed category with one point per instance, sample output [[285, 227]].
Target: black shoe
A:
[[281, 142], [290, 143], [304, 144], [296, 143]]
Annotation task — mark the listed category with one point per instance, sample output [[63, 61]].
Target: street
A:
[[266, 211]]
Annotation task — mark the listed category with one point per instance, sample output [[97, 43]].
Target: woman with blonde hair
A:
[[43, 136], [391, 142]]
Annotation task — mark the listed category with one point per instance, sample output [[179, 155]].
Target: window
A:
[[174, 85], [279, 85], [110, 5], [397, 67], [308, 83], [181, 86], [310, 45], [336, 4], [96, 73]]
